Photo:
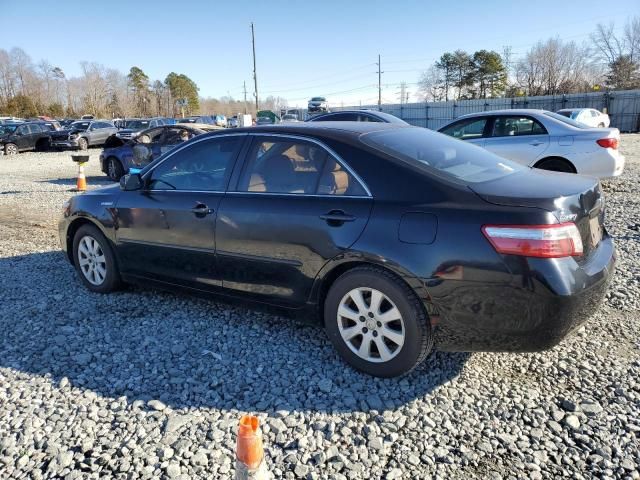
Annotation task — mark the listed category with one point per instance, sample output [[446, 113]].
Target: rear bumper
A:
[[544, 303]]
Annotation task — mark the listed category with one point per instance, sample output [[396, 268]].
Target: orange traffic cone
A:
[[81, 183], [250, 462]]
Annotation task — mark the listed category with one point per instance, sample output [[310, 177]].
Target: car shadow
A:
[[101, 180], [185, 351]]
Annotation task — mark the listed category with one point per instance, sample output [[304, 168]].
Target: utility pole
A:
[[255, 75], [244, 88], [379, 84]]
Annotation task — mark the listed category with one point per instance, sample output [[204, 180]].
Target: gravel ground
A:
[[143, 384]]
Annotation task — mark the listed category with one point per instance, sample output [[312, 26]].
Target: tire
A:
[[601, 125], [114, 169], [10, 149], [408, 339], [82, 143], [556, 164], [90, 245]]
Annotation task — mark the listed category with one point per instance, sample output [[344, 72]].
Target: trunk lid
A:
[[570, 197]]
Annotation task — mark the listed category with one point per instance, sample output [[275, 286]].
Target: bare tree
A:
[[431, 84]]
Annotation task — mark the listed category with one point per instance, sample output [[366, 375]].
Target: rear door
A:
[[167, 230], [520, 138], [23, 137], [472, 130], [294, 206]]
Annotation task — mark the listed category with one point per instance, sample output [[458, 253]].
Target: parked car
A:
[[399, 238], [357, 116], [289, 117], [220, 120], [318, 104], [542, 139], [265, 121], [64, 123], [588, 116], [133, 126], [232, 122], [52, 125], [147, 146], [20, 137], [83, 134], [197, 119], [4, 120]]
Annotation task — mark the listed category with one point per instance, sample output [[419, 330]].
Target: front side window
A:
[[22, 130], [202, 166], [295, 167], [516, 126], [466, 129]]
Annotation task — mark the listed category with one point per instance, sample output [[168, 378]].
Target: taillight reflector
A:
[[608, 143], [544, 241]]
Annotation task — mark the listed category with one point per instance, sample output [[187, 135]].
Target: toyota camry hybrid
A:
[[398, 239]]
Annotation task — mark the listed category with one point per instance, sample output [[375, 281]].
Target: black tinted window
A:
[[35, 128], [22, 130], [201, 166]]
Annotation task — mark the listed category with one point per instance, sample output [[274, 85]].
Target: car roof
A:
[[574, 109], [319, 129]]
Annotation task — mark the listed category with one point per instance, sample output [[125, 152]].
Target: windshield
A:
[[566, 120], [318, 99], [5, 129], [136, 124], [441, 155], [79, 125]]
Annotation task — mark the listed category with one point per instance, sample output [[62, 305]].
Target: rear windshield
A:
[[441, 155], [566, 120]]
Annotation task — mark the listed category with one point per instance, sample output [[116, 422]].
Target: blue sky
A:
[[304, 48]]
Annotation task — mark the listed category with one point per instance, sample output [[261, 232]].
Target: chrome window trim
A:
[[330, 150], [317, 195]]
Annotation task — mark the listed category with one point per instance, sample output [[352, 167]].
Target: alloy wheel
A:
[[11, 149], [371, 325], [92, 261]]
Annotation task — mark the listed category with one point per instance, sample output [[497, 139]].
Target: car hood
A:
[[67, 131], [108, 190]]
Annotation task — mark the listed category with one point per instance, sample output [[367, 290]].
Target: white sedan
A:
[[589, 116], [542, 139]]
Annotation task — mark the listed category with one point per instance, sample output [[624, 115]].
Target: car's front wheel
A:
[[94, 260], [10, 149], [376, 322], [114, 169], [83, 144]]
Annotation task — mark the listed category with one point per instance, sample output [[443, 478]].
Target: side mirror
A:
[[131, 182]]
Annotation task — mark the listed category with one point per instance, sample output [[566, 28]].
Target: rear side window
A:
[[295, 167], [516, 126], [442, 156], [35, 128], [466, 129]]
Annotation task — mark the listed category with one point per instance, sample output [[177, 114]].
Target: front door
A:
[[519, 138], [167, 230], [294, 207]]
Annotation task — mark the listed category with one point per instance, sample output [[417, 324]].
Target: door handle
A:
[[535, 144], [201, 210], [337, 217]]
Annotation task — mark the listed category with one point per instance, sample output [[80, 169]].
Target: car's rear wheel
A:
[[556, 164], [10, 149], [83, 144], [376, 322], [114, 169], [94, 260], [601, 125]]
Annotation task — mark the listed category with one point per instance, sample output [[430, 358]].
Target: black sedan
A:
[[398, 239]]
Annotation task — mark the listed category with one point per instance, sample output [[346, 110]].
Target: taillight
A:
[[608, 143], [544, 241]]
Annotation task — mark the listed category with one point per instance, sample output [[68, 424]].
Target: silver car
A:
[[542, 139]]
